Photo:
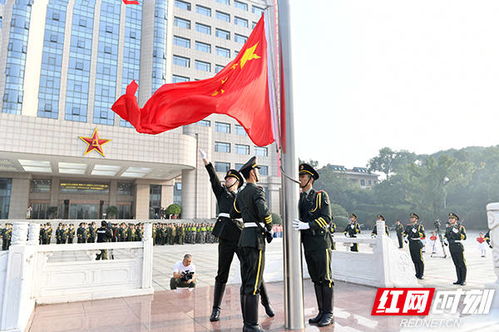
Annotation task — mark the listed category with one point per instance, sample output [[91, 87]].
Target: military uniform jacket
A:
[[314, 209], [399, 229], [225, 228], [455, 233], [352, 229], [250, 204], [414, 232], [81, 233]]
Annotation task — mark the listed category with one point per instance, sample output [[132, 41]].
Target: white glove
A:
[[203, 154], [298, 225]]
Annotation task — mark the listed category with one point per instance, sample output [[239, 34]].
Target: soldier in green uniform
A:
[[92, 232], [314, 224], [41, 237], [352, 230], [250, 204], [181, 234], [173, 234], [455, 233], [375, 228], [58, 232], [64, 234], [399, 229], [71, 233], [81, 233], [414, 232], [48, 233], [6, 236]]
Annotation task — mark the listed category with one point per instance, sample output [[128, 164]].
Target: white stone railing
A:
[[383, 266], [31, 273]]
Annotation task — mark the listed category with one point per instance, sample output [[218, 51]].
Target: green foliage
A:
[[174, 209], [112, 211], [462, 181]]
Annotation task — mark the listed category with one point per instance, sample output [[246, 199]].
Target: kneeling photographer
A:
[[184, 273]]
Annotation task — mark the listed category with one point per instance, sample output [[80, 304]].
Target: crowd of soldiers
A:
[[6, 235], [177, 233]]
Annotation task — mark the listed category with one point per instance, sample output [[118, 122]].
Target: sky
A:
[[415, 75]]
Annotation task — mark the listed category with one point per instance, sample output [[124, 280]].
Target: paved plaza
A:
[[189, 310]]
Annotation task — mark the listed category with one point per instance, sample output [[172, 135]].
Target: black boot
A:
[[318, 296], [265, 301], [251, 314], [327, 304], [217, 300]]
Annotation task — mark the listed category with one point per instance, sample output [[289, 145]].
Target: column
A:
[[167, 194], [19, 198], [142, 201]]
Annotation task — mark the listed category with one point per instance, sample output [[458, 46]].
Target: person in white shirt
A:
[[184, 273]]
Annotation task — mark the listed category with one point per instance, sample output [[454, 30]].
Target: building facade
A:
[[359, 176], [66, 154]]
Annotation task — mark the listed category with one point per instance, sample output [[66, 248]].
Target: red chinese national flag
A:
[[240, 90]]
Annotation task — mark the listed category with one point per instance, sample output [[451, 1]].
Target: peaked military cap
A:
[[353, 215], [413, 215], [379, 216], [453, 216], [232, 173], [246, 168], [307, 169]]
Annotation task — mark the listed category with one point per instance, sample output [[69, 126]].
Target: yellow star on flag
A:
[[248, 55]]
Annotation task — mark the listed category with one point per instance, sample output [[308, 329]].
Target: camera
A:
[[437, 224], [186, 276]]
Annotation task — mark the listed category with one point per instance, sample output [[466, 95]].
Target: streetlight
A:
[[445, 181]]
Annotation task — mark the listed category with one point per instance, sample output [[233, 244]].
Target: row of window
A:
[[240, 149], [207, 11], [223, 167], [218, 14], [206, 29], [201, 46]]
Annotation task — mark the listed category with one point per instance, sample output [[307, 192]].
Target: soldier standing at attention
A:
[[71, 233], [58, 232], [399, 229], [250, 204], [455, 233], [48, 233], [64, 234], [228, 230], [314, 225], [414, 232], [92, 231], [352, 230]]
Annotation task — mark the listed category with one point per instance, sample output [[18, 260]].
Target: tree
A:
[[383, 162], [276, 219], [174, 209], [112, 212]]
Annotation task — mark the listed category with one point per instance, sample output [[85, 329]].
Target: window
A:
[[182, 5], [362, 182], [203, 10], [223, 16], [55, 16], [261, 151], [264, 170], [80, 43], [107, 49], [238, 166], [241, 21], [182, 42], [178, 79], [203, 28], [370, 182], [182, 23], [240, 38], [226, 2], [221, 167], [82, 23], [257, 10], [204, 123], [222, 147], [242, 149], [109, 28], [203, 66], [79, 65], [241, 5], [222, 127], [181, 61], [53, 38], [124, 188], [203, 47], [218, 68], [240, 130], [41, 186], [222, 34], [223, 52]]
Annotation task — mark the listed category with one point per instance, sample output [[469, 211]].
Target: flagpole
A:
[[293, 280]]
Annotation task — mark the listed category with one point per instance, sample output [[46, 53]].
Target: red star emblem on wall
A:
[[94, 143]]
